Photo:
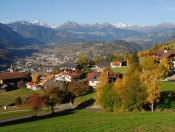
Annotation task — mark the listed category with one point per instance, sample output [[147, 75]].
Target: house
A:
[[160, 54], [45, 78], [11, 77], [33, 86], [7, 87], [112, 76], [118, 63], [101, 65], [92, 78], [68, 77]]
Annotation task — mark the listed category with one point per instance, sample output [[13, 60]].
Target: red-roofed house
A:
[[33, 86], [118, 63], [160, 54], [68, 77], [45, 78], [92, 78]]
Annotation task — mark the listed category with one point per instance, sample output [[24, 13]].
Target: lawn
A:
[[83, 98], [167, 86], [10, 96], [121, 70], [96, 121], [14, 114]]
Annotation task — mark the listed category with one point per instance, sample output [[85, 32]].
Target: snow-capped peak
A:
[[38, 23], [122, 25], [54, 26]]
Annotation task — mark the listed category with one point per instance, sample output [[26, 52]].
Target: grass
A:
[[96, 121], [121, 70], [167, 86], [83, 98], [167, 96], [10, 96], [15, 114]]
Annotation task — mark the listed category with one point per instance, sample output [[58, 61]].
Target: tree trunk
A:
[[152, 107], [52, 109], [71, 102]]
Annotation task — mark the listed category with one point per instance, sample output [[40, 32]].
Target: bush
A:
[[18, 101]]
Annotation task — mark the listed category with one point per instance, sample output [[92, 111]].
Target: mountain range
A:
[[21, 33]]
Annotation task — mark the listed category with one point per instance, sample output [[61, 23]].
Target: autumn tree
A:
[[164, 67], [150, 79], [74, 89], [36, 102], [102, 81], [135, 96], [119, 94], [149, 63], [35, 78], [52, 95]]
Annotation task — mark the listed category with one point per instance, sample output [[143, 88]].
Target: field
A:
[[10, 97], [121, 70], [97, 121], [167, 86]]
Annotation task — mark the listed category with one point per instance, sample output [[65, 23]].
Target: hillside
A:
[[97, 121], [9, 38]]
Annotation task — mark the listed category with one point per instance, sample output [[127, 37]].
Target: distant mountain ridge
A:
[[71, 32]]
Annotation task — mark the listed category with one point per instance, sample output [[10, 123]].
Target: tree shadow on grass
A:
[[36, 118], [85, 104], [166, 100]]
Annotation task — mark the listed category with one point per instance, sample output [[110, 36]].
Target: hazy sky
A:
[[140, 12]]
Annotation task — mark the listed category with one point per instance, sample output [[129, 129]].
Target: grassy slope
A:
[[100, 121], [122, 70], [167, 86], [10, 97], [10, 115]]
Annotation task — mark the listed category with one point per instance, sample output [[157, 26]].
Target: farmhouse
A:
[[118, 63], [160, 54], [68, 77], [92, 79], [11, 77], [33, 86]]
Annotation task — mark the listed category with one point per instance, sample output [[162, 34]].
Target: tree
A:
[[35, 78], [75, 89], [155, 47], [150, 78], [135, 92], [102, 81], [119, 94], [36, 102], [18, 101], [52, 95], [149, 63], [106, 99], [164, 66]]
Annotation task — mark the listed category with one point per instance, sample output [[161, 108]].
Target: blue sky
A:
[[140, 12]]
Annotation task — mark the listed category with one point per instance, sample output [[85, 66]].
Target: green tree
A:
[[106, 99], [18, 101]]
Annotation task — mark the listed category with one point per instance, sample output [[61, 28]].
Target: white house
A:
[[33, 86], [68, 77], [93, 82], [118, 63]]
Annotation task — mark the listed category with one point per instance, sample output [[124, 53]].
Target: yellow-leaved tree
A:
[[164, 66], [35, 78], [102, 81], [150, 79]]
